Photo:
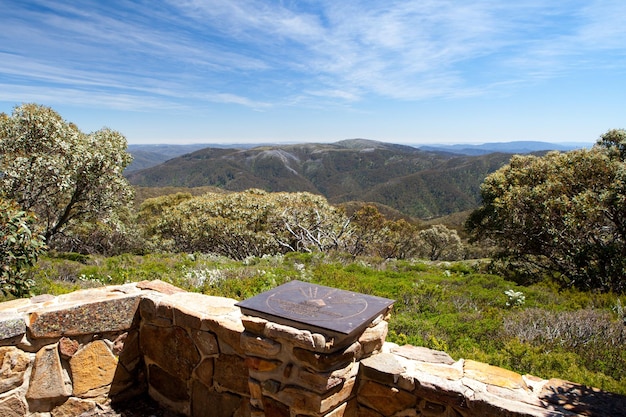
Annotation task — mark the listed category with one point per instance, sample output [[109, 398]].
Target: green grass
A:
[[455, 307]]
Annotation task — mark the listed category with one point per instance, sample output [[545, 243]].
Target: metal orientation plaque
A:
[[316, 307]]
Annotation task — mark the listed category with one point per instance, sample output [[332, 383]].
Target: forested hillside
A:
[[417, 183]]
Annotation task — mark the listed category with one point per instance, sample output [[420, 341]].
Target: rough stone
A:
[[322, 362], [11, 327], [205, 342], [255, 325], [67, 347], [258, 345], [231, 373], [451, 372], [317, 381], [493, 375], [207, 403], [373, 338], [383, 367], [261, 365], [13, 366], [109, 315], [204, 372], [299, 338], [126, 347], [423, 354], [12, 406], [228, 331], [302, 399], [256, 393], [171, 348], [93, 367], [385, 399], [73, 407], [48, 381], [159, 286], [168, 385], [274, 408]]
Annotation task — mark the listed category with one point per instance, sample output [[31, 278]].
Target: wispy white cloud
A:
[[260, 54]]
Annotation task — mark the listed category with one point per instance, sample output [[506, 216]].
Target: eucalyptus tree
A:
[[65, 176], [563, 213], [20, 246]]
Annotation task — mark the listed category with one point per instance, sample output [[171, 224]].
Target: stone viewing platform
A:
[[203, 356]]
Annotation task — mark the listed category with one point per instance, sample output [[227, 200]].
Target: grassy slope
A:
[[452, 307]]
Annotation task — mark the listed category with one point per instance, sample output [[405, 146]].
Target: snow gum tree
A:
[[66, 177], [563, 214]]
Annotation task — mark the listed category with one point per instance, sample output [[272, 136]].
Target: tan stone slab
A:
[[231, 373], [13, 366], [171, 348], [383, 367], [493, 375], [113, 314], [48, 380], [12, 406], [303, 400], [73, 407], [159, 286], [14, 305], [92, 367], [423, 354], [385, 399], [450, 372]]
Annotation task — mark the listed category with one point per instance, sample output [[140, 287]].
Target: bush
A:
[[19, 248]]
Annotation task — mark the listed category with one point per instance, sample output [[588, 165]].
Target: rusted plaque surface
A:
[[315, 307]]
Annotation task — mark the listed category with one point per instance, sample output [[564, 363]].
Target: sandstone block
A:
[[385, 399], [296, 337], [12, 406], [205, 342], [493, 375], [48, 380], [373, 338], [303, 400], [73, 407], [208, 403], [159, 286], [231, 373], [258, 345], [93, 367], [255, 325], [67, 347], [171, 348], [261, 365], [384, 367], [13, 366], [322, 362], [204, 372], [423, 354], [228, 331], [168, 385]]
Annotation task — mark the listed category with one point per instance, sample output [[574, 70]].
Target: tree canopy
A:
[[563, 213], [65, 176]]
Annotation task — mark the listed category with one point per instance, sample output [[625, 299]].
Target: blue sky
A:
[[234, 71]]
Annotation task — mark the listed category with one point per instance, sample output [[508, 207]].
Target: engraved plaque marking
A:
[[316, 307]]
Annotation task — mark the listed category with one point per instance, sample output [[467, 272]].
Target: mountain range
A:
[[421, 183]]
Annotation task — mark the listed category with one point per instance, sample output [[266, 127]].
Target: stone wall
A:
[[198, 356]]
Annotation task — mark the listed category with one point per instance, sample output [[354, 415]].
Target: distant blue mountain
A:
[[515, 147]]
